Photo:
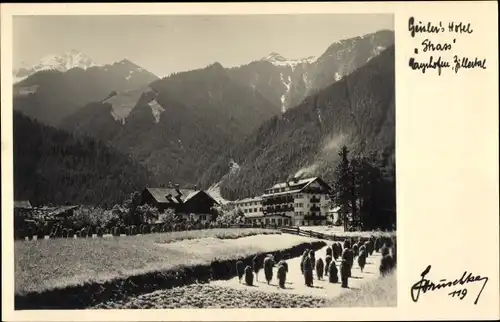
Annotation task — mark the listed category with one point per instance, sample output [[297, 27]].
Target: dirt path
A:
[[295, 280]]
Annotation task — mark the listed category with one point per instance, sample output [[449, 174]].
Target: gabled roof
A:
[[160, 195], [61, 210], [22, 204], [293, 183], [294, 186]]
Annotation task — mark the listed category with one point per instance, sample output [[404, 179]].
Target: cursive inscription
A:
[[441, 54], [425, 285]]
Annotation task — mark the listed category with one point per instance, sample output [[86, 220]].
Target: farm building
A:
[[182, 201], [304, 201], [22, 204]]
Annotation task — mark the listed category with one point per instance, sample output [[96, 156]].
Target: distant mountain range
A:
[[62, 63], [358, 111], [191, 127], [51, 94], [286, 82]]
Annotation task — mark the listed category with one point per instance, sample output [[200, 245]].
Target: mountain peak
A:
[[62, 62], [278, 60]]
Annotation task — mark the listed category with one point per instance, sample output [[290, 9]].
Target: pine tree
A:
[[343, 187]]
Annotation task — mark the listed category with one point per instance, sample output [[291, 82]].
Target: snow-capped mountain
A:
[[286, 82], [61, 63], [60, 85], [278, 60]]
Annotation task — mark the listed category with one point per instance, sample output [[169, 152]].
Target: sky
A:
[[165, 44]]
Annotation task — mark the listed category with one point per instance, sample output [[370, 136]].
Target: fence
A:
[[333, 237], [89, 232]]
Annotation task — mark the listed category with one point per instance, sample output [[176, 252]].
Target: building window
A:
[[279, 222], [267, 221]]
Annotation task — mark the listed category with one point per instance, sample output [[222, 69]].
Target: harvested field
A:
[[47, 264], [90, 271], [377, 293], [210, 296]]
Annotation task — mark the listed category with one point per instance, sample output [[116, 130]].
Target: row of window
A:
[[274, 221], [251, 210], [250, 203]]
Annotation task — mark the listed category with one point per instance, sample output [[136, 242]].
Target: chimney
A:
[[170, 184], [195, 187]]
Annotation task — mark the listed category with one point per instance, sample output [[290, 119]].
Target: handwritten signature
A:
[[425, 285]]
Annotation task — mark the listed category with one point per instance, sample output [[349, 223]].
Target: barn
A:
[[182, 201]]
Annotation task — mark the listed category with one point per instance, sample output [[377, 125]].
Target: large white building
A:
[[304, 202], [249, 206]]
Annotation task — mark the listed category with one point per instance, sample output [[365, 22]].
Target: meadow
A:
[[43, 265]]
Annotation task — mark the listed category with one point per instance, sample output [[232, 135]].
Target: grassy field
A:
[[51, 264], [377, 293]]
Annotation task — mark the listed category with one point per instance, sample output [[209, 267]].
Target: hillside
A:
[[53, 166], [179, 125], [50, 95], [358, 110], [287, 82]]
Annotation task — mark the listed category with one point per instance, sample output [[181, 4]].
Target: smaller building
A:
[[188, 203]]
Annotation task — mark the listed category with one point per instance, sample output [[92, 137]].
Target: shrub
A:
[[281, 275], [284, 264], [308, 271], [99, 232], [386, 265], [83, 232], [90, 232], [257, 263], [394, 253], [348, 256], [362, 248], [268, 268], [304, 256], [65, 233], [355, 250], [384, 251], [71, 233], [40, 233], [336, 251], [333, 273], [328, 260], [248, 276], [313, 258], [78, 234], [329, 251], [378, 244], [345, 272], [240, 269], [362, 259], [320, 267], [29, 233]]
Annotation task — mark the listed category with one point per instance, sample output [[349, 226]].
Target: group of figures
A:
[[346, 253]]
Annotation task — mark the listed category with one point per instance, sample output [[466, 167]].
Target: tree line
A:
[[364, 191]]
